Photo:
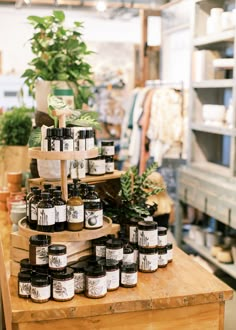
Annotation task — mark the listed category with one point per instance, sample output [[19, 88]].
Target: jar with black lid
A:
[[97, 166], [81, 146], [38, 249], [89, 141], [60, 211], [57, 257], [113, 273], [93, 211], [128, 254], [46, 187], [133, 230], [29, 195], [148, 260], [147, 234], [40, 288], [99, 247], [25, 264], [162, 257], [128, 275], [79, 275], [95, 282], [67, 141], [136, 252], [51, 191], [48, 140], [108, 148], [110, 165], [83, 189], [63, 288], [46, 214], [57, 139], [162, 236], [24, 284], [114, 249], [33, 213], [169, 247]]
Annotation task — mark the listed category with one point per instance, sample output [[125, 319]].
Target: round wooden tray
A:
[[68, 236], [37, 153]]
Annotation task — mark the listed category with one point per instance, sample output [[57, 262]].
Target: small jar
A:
[[110, 165], [108, 148], [147, 234], [97, 166], [162, 236], [128, 275], [25, 264], [57, 257], [95, 282], [79, 276], [60, 211], [38, 249], [133, 230], [63, 285], [112, 272], [99, 247], [169, 247], [114, 249], [162, 257], [40, 288], [148, 260], [136, 252], [128, 254], [24, 284]]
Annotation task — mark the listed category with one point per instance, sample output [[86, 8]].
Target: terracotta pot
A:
[[14, 187], [14, 177], [4, 195]]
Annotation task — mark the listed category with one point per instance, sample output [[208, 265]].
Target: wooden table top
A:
[[182, 283]]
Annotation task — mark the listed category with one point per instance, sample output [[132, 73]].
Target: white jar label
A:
[[63, 289], [170, 254], [41, 255], [162, 259], [46, 217], [115, 254], [113, 279], [96, 287], [60, 213], [89, 143], [81, 144], [33, 211], [162, 240], [129, 278], [79, 279], [57, 261], [128, 258], [148, 262], [77, 169], [108, 150], [81, 169], [136, 256], [93, 218], [75, 214], [67, 145], [56, 145], [97, 166], [133, 234], [40, 293], [100, 251], [147, 238], [24, 288], [110, 167]]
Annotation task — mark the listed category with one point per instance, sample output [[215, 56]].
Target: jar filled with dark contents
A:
[[147, 234], [48, 140], [29, 195], [79, 276], [46, 187], [99, 247], [57, 257], [136, 252], [109, 164], [60, 211], [57, 139], [112, 268], [51, 191], [33, 213], [38, 249], [128, 275], [148, 260], [97, 166], [24, 284], [162, 257], [25, 264], [128, 253], [40, 288], [93, 211], [95, 282], [114, 249], [162, 236], [67, 141], [89, 141], [63, 285], [75, 210], [83, 190], [46, 214], [108, 148], [169, 247]]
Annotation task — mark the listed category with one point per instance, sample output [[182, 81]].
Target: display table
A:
[[181, 296]]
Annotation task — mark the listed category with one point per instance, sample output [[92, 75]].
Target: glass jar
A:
[[113, 273], [29, 195], [38, 249], [147, 234], [67, 141], [148, 260], [24, 284], [136, 252], [48, 140], [63, 288], [93, 211], [114, 249], [169, 247], [60, 211], [128, 254], [97, 166], [46, 214], [75, 210], [95, 282], [110, 165], [40, 288], [133, 230], [108, 148], [99, 247], [57, 257], [128, 275], [162, 236], [33, 203], [162, 257], [57, 139], [79, 275], [25, 264], [89, 141]]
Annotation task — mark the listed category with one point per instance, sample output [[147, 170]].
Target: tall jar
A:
[[46, 214], [75, 211], [93, 211], [60, 211], [33, 203]]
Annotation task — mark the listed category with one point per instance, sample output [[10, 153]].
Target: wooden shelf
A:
[[65, 155], [228, 268], [217, 83], [211, 39], [222, 130]]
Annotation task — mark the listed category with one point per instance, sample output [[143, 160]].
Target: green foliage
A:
[[35, 137], [59, 55], [15, 126]]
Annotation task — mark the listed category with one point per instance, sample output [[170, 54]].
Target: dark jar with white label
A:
[[46, 214], [38, 249], [40, 288], [57, 257], [67, 141], [25, 264], [162, 236], [113, 273], [108, 148], [147, 234], [133, 230], [93, 211], [97, 166], [60, 211], [24, 284], [63, 285], [162, 257], [115, 249], [148, 260], [33, 213], [128, 275], [95, 282], [110, 165], [169, 247], [79, 275], [99, 247]]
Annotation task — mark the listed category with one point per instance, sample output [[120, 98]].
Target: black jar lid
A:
[[45, 195], [107, 143], [82, 134], [49, 132], [96, 270], [40, 240], [134, 222], [40, 269], [66, 131], [162, 249], [37, 192], [58, 188], [134, 245], [67, 273], [46, 186], [89, 132], [58, 132], [169, 246], [25, 264], [162, 230], [147, 225], [40, 280], [24, 275], [79, 267], [100, 241], [57, 249], [57, 193], [147, 250], [129, 268], [114, 243], [93, 260]]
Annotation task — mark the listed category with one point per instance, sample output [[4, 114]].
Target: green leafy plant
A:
[[59, 55]]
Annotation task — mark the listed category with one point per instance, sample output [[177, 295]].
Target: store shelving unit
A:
[[208, 181]]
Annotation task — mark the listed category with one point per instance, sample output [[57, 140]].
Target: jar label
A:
[[79, 279], [162, 240], [136, 256], [170, 254], [81, 145], [147, 238], [63, 289], [97, 167], [77, 169], [89, 143], [75, 214], [40, 293], [81, 169], [24, 288], [110, 167], [108, 150], [33, 211], [162, 259], [128, 258], [148, 262], [93, 218], [67, 144], [46, 217], [100, 251], [56, 145], [60, 213], [113, 279], [41, 255], [133, 234], [96, 287], [56, 262], [129, 278], [115, 254]]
